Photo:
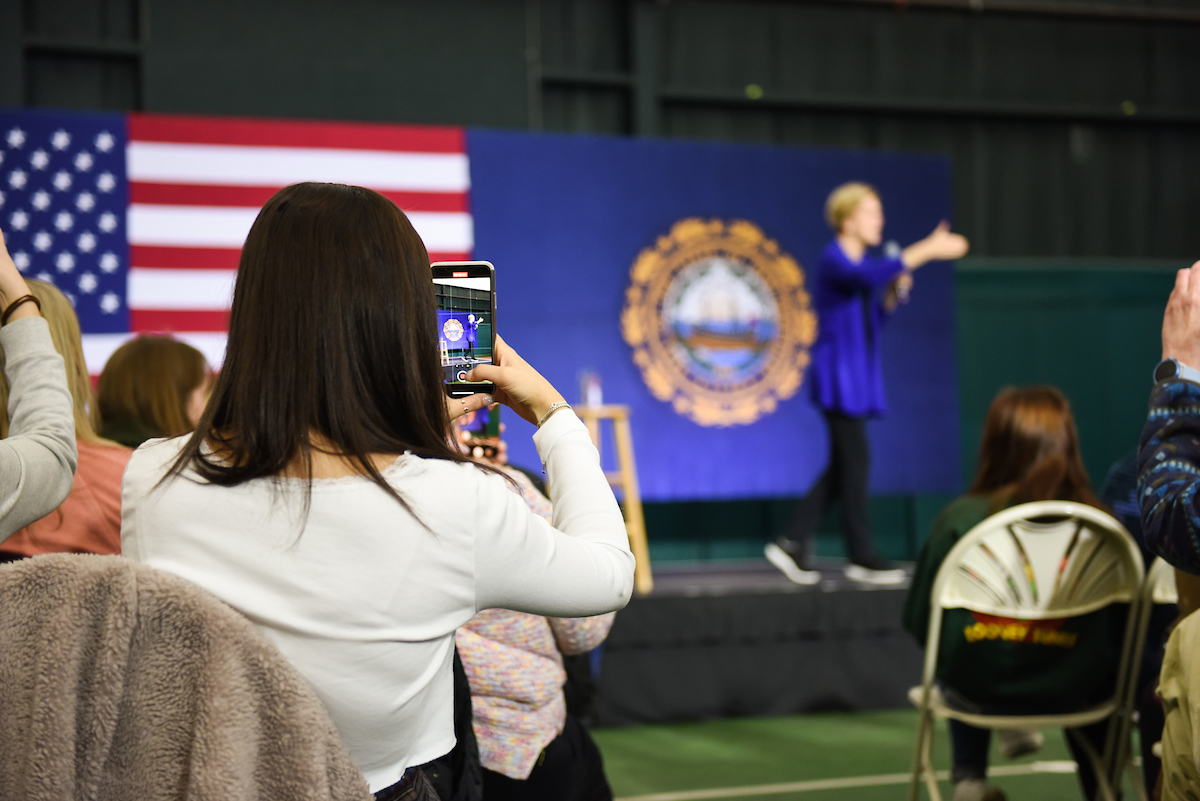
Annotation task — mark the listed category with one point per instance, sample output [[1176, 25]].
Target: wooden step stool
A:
[[624, 479]]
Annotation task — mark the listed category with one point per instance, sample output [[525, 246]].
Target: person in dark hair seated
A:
[[1030, 452], [321, 497]]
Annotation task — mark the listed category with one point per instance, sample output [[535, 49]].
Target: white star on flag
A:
[[158, 206], [18, 179], [19, 220], [21, 259]]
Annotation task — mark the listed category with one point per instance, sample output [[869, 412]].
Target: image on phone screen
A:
[[465, 320]]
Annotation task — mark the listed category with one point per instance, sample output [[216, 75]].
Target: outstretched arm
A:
[[940, 245]]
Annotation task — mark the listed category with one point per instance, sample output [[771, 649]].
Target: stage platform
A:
[[729, 639]]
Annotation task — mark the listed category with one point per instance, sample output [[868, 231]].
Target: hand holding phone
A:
[[517, 385], [465, 292]]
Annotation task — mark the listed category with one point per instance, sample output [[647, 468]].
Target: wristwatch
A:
[[1169, 369]]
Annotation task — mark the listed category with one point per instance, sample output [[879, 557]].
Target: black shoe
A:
[[873, 569], [793, 565]]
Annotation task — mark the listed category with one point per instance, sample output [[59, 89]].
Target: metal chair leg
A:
[[1103, 780]]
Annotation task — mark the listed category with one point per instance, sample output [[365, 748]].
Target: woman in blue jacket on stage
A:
[[854, 293]]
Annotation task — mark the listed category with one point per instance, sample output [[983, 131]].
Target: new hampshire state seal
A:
[[719, 321]]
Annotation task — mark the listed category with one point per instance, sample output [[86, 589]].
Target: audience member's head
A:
[[332, 338], [64, 331], [1030, 450], [152, 386]]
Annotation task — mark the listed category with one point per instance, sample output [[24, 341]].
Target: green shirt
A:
[[1078, 670], [962, 515]]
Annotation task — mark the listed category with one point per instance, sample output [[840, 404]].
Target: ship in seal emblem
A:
[[719, 321]]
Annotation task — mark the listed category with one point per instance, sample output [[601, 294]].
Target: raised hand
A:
[[13, 286], [518, 385], [941, 245], [1181, 322]]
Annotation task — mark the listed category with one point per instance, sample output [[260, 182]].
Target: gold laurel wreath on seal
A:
[[782, 370]]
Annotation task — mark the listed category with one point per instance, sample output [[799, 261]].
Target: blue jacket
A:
[[1169, 474], [846, 375]]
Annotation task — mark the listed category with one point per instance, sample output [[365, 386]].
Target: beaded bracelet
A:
[[12, 307]]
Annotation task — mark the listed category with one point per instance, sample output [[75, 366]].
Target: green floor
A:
[[742, 753]]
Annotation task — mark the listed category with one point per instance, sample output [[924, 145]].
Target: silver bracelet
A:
[[554, 407]]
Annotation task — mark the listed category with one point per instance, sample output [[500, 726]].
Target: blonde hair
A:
[[844, 200], [148, 380], [64, 331]]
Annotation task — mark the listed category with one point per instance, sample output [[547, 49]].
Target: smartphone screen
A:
[[484, 424], [466, 322]]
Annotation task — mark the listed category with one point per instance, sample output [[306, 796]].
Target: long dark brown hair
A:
[[1030, 450], [332, 330]]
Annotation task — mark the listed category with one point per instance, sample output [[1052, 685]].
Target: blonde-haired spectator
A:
[[853, 294]]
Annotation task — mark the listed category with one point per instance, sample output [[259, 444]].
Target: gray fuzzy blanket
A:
[[119, 682]]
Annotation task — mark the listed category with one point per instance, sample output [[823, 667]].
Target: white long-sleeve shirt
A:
[[361, 597]]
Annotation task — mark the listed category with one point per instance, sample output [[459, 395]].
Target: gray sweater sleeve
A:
[[38, 458]]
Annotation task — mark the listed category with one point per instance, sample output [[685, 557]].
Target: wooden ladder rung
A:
[[625, 479]]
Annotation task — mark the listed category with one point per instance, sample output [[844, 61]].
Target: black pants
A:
[[844, 478], [456, 776], [569, 769], [969, 751], [414, 787]]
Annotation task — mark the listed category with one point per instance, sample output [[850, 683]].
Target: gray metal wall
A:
[[1074, 126]]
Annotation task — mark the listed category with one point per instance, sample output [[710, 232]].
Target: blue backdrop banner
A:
[[565, 219]]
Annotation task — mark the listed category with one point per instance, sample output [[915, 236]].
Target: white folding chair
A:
[[1046, 560], [1157, 589]]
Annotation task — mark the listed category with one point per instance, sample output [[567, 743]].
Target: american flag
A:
[[140, 218]]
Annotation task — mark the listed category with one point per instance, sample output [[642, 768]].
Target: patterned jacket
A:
[[514, 665], [1169, 474]]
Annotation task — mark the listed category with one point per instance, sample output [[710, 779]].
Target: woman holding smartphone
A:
[[320, 496]]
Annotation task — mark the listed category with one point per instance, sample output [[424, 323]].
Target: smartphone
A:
[[483, 433], [485, 424], [466, 322]]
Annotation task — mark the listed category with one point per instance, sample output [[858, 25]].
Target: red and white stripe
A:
[[197, 183]]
